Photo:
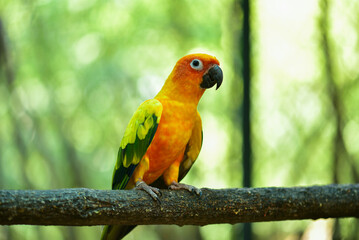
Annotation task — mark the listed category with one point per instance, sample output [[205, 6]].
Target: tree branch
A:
[[81, 206]]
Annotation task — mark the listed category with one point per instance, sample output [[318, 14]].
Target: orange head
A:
[[190, 77]]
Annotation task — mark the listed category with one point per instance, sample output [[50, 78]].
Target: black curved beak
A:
[[213, 76]]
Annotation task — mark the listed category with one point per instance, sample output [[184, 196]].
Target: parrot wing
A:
[[193, 148], [137, 138]]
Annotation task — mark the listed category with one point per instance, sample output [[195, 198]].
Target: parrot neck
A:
[[185, 93]]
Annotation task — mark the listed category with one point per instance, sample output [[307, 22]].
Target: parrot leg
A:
[[176, 186], [152, 191], [141, 169]]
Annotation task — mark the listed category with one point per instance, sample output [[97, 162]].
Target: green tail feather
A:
[[116, 232]]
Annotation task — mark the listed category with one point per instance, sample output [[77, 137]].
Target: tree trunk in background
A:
[[246, 71], [246, 127], [242, 7]]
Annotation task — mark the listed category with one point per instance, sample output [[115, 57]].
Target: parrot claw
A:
[[152, 191], [176, 186]]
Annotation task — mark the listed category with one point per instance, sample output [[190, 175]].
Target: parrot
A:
[[164, 136]]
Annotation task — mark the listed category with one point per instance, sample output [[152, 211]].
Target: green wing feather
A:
[[137, 138]]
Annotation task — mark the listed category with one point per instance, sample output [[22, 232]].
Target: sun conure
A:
[[164, 136]]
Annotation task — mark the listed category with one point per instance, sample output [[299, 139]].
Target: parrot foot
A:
[[152, 191], [176, 186]]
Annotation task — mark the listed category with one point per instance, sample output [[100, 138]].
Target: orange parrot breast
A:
[[171, 138]]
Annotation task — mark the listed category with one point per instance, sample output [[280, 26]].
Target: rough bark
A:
[[81, 206]]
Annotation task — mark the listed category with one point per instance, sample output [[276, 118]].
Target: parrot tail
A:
[[116, 232]]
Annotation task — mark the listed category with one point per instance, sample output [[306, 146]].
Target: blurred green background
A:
[[73, 72]]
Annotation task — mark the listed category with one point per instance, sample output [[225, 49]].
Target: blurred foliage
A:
[[76, 71]]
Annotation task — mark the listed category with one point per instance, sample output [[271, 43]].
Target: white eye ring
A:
[[197, 64]]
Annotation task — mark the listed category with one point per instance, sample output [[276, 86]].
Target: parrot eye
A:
[[197, 64]]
